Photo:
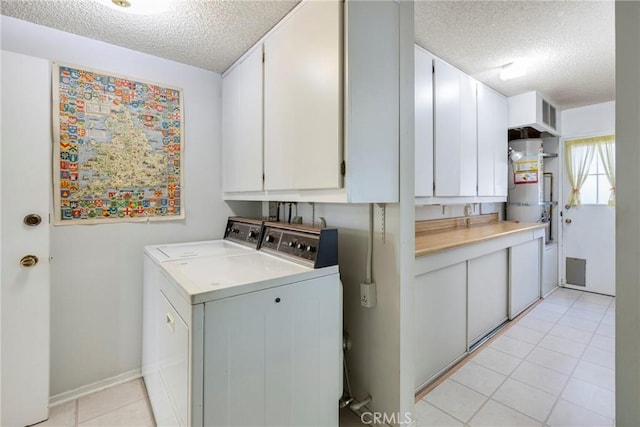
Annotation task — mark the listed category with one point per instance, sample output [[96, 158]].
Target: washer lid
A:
[[209, 278], [201, 249]]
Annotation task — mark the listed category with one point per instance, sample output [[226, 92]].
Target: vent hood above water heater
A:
[[531, 110]]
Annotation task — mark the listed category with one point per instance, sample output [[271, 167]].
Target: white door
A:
[[26, 172], [588, 235]]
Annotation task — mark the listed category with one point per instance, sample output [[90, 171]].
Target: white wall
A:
[[96, 270], [591, 120], [627, 212]]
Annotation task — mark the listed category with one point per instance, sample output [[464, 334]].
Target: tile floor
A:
[[554, 367], [122, 405]]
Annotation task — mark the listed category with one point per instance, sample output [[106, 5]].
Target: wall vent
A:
[[576, 269]]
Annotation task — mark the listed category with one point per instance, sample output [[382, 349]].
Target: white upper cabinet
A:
[[331, 108], [455, 149], [424, 122], [492, 142], [242, 125], [302, 100]]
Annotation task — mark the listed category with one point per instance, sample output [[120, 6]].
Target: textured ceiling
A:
[[209, 34], [571, 43]]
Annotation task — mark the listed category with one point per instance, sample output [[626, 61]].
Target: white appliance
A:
[[241, 236], [252, 338]]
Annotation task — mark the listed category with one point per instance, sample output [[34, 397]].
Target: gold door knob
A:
[[28, 260], [568, 221]]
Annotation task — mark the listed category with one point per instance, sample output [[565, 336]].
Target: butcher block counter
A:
[[437, 235]]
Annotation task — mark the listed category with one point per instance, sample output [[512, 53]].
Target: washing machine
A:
[[241, 236], [253, 338]]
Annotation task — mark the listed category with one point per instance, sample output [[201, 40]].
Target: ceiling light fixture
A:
[[139, 7], [512, 70]]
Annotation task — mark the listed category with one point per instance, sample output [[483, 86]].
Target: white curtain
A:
[[578, 155], [607, 151]]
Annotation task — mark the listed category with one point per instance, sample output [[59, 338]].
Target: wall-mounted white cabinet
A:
[[455, 150], [460, 136], [242, 125], [493, 113], [302, 100], [330, 105], [423, 122]]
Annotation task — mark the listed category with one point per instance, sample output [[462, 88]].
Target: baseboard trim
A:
[[74, 394]]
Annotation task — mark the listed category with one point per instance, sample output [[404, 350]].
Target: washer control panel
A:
[[317, 247], [244, 230]]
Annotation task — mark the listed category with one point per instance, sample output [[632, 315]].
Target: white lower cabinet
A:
[[441, 320], [464, 293], [524, 275], [487, 293]]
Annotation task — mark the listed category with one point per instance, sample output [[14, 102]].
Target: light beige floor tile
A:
[[567, 414], [553, 307], [107, 400], [585, 314], [512, 346], [428, 415], [497, 360], [609, 318], [526, 399], [540, 377], [542, 314], [552, 360], [478, 378], [524, 334], [603, 343], [456, 400], [590, 397], [586, 306], [536, 324], [572, 334], [578, 323], [600, 357], [606, 330], [596, 299], [596, 375], [495, 414], [133, 415], [564, 346], [61, 416]]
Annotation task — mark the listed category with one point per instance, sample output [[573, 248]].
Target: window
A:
[[595, 190], [590, 167]]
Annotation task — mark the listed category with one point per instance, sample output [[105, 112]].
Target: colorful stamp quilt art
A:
[[118, 148]]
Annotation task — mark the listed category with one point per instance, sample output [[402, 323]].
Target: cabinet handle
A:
[[277, 300], [170, 323]]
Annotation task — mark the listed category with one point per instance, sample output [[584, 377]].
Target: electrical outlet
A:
[[368, 297]]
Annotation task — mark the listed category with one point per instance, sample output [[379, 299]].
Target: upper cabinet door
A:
[[501, 135], [242, 125], [492, 142], [303, 102], [455, 150], [423, 123]]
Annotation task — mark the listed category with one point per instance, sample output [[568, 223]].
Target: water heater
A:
[[525, 201]]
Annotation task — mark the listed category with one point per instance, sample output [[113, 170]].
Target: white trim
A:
[[68, 396]]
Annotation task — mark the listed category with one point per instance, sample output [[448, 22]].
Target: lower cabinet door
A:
[[440, 320], [173, 340], [488, 293], [524, 276], [274, 357]]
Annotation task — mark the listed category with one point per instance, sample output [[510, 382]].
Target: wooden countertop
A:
[[431, 241]]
